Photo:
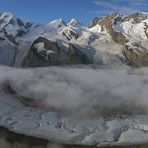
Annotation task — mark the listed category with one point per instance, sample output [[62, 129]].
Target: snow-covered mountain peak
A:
[[6, 18], [58, 23], [6, 15], [75, 23], [108, 40], [96, 29]]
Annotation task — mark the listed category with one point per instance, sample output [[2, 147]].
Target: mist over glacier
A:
[[81, 91]]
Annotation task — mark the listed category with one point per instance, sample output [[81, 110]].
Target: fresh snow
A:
[[132, 30], [40, 47], [5, 18], [57, 24], [96, 29], [75, 23]]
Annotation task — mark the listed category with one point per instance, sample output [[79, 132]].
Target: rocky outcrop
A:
[[136, 57], [9, 139], [70, 34], [106, 23], [137, 17], [146, 29], [44, 52]]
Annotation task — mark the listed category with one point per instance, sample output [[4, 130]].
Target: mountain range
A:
[[111, 39], [74, 105]]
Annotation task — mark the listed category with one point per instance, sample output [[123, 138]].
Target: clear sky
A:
[[43, 11]]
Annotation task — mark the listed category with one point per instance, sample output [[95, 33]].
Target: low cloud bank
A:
[[81, 91]]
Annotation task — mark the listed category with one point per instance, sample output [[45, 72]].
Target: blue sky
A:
[[43, 11]]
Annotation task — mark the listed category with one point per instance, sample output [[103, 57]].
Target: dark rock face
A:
[[146, 28], [11, 38], [137, 17], [19, 22], [72, 35], [139, 58], [52, 54], [10, 139]]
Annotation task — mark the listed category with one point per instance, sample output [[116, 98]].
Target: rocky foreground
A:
[[10, 139]]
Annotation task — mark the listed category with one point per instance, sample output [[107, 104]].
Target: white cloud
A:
[[82, 91], [132, 7]]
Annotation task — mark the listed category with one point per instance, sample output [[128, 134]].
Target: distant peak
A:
[[60, 20], [75, 23], [6, 15], [58, 23], [6, 18]]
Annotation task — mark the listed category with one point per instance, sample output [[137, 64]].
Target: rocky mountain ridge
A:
[[112, 39]]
